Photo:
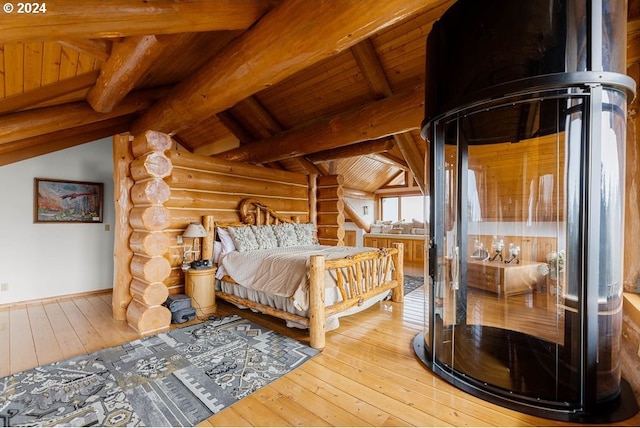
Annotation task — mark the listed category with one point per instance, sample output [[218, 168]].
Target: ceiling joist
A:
[[293, 36]]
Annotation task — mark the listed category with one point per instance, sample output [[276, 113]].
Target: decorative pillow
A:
[[265, 236], [243, 238], [286, 235], [226, 241], [305, 233]]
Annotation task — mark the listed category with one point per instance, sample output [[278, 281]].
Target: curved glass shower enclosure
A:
[[526, 167]]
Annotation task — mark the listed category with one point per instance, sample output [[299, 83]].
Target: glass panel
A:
[[390, 209]]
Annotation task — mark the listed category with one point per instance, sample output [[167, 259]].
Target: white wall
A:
[[39, 260]]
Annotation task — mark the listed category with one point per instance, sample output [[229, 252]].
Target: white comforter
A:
[[280, 271]]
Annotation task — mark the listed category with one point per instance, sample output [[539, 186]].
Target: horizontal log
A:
[[234, 169], [204, 180], [148, 319], [365, 148], [151, 165], [175, 278], [151, 294], [149, 243], [330, 181], [48, 92], [329, 193], [150, 192], [150, 218], [332, 242], [150, 269], [400, 113], [290, 38], [330, 206], [175, 255], [95, 19], [150, 141], [32, 123], [331, 232], [330, 219], [185, 198], [48, 143]]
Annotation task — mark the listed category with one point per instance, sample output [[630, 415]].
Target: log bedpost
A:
[[122, 254], [317, 322], [397, 293]]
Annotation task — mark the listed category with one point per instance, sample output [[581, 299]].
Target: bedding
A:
[[282, 271]]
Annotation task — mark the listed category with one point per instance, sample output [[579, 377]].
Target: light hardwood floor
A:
[[366, 376]]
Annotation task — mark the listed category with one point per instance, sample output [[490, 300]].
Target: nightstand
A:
[[199, 284]]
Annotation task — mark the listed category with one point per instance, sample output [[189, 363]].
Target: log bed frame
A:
[[369, 268]]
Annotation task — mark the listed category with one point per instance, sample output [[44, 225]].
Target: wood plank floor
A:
[[367, 375]]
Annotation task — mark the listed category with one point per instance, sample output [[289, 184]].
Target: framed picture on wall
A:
[[65, 201]]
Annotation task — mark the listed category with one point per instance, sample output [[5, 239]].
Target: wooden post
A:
[[122, 255], [397, 294], [317, 322], [207, 241]]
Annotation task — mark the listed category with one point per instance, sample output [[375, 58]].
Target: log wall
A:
[[148, 218], [207, 189], [162, 191], [330, 209]]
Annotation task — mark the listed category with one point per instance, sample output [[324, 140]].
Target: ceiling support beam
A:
[[130, 60], [359, 149], [31, 123], [293, 36], [70, 137], [378, 119], [48, 92], [373, 71], [96, 19]]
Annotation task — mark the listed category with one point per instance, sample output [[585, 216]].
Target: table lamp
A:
[[195, 231]]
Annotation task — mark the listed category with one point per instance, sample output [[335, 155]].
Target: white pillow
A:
[[243, 238], [286, 235], [265, 236], [305, 233], [226, 241]]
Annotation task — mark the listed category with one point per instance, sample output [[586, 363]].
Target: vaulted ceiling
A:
[[316, 86]]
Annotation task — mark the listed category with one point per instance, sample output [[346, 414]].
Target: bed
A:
[[295, 279]]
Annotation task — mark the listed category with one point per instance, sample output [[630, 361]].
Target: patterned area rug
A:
[[178, 378], [411, 283]]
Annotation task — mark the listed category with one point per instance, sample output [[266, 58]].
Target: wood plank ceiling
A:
[[316, 86]]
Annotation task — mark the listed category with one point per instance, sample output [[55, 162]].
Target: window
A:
[[405, 208]]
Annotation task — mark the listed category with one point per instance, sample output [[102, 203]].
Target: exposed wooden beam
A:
[[414, 158], [255, 118], [374, 74], [293, 36], [355, 217], [130, 60], [378, 119], [97, 48], [235, 127], [49, 143], [358, 194], [48, 92], [359, 149], [31, 123], [388, 159], [309, 166], [96, 19]]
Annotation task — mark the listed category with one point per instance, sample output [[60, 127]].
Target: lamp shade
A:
[[195, 230]]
